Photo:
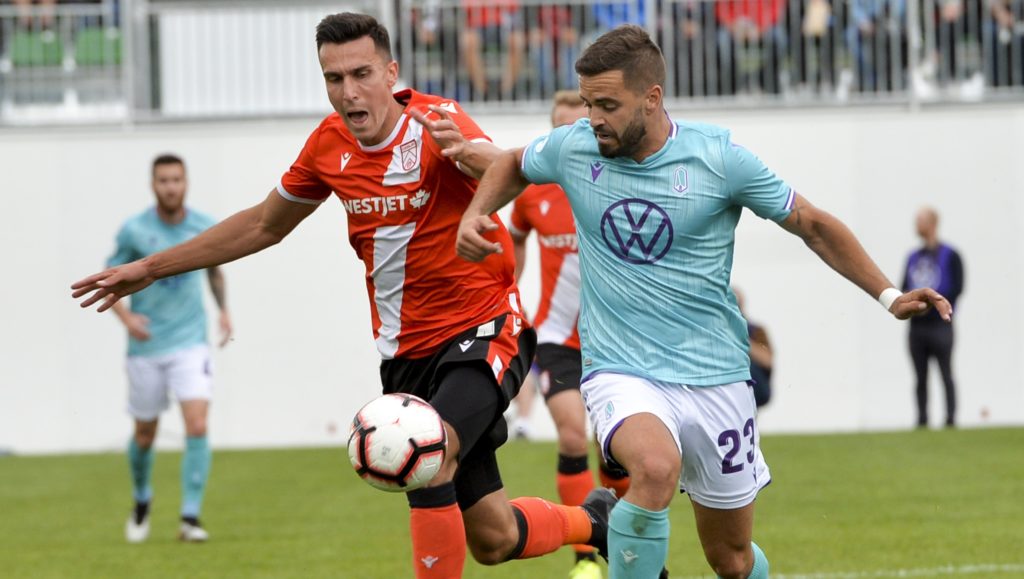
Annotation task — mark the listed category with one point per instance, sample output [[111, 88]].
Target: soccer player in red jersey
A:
[[405, 165], [546, 210]]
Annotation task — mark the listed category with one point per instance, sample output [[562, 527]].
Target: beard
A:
[[629, 141]]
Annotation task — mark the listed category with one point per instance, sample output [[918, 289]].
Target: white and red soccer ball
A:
[[397, 442]]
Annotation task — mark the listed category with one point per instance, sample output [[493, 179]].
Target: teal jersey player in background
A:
[[664, 345], [167, 349], [174, 305]]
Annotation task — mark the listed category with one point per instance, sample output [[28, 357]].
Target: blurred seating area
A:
[[68, 60], [59, 55], [726, 51]]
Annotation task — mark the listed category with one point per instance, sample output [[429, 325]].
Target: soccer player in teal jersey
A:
[[664, 346], [167, 350]]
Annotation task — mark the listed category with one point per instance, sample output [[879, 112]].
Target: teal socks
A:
[[760, 570], [195, 468], [637, 541], [140, 461]]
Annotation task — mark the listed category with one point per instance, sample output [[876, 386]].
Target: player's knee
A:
[[144, 438], [196, 427], [730, 563], [493, 546], [656, 471], [572, 441]]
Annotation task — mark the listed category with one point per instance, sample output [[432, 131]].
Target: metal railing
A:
[[131, 60], [727, 52]]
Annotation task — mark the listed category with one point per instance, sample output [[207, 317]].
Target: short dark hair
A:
[[348, 26], [167, 159], [627, 48]]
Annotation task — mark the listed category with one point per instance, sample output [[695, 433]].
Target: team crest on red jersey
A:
[[409, 156]]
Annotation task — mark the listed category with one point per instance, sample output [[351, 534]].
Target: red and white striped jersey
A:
[[545, 208], [404, 202]]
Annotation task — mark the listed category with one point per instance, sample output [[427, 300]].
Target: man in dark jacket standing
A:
[[937, 266]]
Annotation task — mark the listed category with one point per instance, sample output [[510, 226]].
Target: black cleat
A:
[[598, 505], [664, 573]]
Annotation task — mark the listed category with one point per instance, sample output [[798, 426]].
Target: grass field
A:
[[927, 503]]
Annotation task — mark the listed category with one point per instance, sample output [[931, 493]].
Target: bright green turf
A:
[[838, 503]]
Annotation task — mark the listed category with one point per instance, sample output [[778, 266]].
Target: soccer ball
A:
[[397, 443]]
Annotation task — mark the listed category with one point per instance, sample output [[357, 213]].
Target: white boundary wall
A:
[[303, 361]]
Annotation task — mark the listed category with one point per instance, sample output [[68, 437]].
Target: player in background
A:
[[167, 350], [522, 405], [404, 165], [545, 209], [656, 203]]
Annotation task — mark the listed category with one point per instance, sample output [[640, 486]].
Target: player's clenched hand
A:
[[226, 329], [112, 284], [916, 302], [443, 130], [471, 243]]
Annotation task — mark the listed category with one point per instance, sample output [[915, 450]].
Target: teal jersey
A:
[[656, 246], [174, 305]]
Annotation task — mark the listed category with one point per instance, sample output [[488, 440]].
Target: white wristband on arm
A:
[[888, 297]]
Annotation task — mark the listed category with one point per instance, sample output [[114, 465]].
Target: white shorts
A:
[[715, 428], [186, 373]]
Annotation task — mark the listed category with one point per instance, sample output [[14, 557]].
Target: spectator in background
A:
[[939, 267], [496, 25], [434, 52], [611, 14], [951, 62], [1004, 39], [47, 14], [554, 45], [876, 32], [760, 356], [695, 72], [608, 15], [750, 44], [812, 43]]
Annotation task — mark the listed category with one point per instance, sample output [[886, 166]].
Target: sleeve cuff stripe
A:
[[284, 193], [791, 199]]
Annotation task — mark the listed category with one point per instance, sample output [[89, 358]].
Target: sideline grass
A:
[[841, 503]]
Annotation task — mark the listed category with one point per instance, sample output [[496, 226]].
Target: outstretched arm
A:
[[502, 182], [836, 245], [246, 232]]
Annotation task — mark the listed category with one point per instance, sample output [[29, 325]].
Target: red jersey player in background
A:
[[558, 364], [405, 165]]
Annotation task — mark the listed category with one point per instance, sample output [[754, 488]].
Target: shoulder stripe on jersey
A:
[[284, 193]]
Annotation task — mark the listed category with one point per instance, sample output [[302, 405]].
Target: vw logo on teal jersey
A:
[[637, 231]]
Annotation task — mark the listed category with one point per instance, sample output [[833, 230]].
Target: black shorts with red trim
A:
[[559, 368], [470, 381]]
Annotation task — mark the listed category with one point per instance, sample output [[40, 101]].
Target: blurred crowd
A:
[[481, 50], [516, 50], [39, 34]]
